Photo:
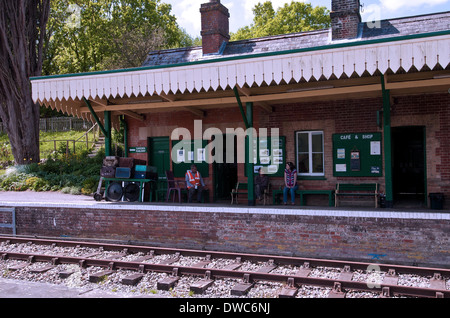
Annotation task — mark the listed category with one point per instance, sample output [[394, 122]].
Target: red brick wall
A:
[[340, 116], [404, 241]]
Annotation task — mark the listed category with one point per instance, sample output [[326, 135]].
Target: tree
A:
[[22, 34], [87, 35], [291, 18]]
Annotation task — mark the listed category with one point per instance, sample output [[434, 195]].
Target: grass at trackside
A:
[[46, 140], [66, 171]]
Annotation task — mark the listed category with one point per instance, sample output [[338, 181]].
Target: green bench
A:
[[330, 194], [302, 193], [356, 190]]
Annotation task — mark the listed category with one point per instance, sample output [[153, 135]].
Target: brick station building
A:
[[361, 102]]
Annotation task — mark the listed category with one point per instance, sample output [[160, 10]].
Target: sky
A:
[[241, 14]]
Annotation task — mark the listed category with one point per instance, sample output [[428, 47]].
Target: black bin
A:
[[382, 201], [436, 201]]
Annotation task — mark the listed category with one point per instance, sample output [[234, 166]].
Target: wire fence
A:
[[56, 124]]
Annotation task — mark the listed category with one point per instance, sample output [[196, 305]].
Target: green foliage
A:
[[75, 174], [90, 185], [13, 181], [85, 35], [291, 18], [6, 157], [37, 184]]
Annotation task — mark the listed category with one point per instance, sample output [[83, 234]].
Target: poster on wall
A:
[[187, 153], [270, 154]]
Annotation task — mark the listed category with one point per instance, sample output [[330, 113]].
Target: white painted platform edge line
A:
[[240, 210]]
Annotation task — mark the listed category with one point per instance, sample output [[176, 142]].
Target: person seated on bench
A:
[[261, 183], [290, 182], [195, 184]]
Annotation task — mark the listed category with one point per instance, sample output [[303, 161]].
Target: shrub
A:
[[75, 174], [5, 155], [13, 181], [71, 190], [90, 185], [37, 184]]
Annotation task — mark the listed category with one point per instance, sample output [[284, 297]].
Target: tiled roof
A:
[[368, 31]]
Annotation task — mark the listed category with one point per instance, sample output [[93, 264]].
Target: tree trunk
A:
[[23, 130], [22, 33]]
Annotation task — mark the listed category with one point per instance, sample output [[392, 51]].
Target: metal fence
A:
[[55, 124]]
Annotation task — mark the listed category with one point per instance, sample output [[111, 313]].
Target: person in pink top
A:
[[290, 183]]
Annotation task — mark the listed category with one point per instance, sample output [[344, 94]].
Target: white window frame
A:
[[310, 153]]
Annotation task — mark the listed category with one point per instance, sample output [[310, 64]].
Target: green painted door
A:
[[159, 155]]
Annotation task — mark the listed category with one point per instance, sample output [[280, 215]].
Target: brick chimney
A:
[[215, 26], [345, 19]]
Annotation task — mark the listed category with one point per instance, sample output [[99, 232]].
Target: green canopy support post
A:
[[241, 108], [108, 138], [249, 162], [125, 134], [387, 143], [248, 122], [89, 106]]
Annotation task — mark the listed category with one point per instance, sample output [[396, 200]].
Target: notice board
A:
[[357, 155], [189, 152], [270, 154]]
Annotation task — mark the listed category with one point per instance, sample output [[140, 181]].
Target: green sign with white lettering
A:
[[137, 150], [357, 155]]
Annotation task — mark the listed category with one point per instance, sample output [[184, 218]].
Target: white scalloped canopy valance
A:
[[339, 61]]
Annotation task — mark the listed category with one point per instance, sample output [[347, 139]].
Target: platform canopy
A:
[[411, 64]]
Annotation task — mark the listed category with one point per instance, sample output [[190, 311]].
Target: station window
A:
[[310, 156]]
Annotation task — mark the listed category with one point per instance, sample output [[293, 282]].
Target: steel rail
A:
[[278, 260], [221, 273]]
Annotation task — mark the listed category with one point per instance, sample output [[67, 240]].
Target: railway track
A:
[[246, 271]]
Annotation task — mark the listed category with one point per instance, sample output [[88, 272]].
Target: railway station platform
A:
[[397, 235]]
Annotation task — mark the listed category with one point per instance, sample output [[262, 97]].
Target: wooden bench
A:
[[241, 188], [352, 189], [330, 193], [266, 194]]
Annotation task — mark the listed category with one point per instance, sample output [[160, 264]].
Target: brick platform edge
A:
[[420, 238]]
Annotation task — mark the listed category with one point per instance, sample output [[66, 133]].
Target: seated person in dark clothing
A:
[[261, 183], [195, 184]]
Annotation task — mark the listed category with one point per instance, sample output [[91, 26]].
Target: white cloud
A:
[[408, 4], [188, 14], [241, 12]]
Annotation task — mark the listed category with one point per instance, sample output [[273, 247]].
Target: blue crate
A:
[[123, 173]]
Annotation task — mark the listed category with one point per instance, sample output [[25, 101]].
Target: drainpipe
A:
[[387, 143]]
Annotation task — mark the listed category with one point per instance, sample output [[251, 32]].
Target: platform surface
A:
[[58, 199]]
